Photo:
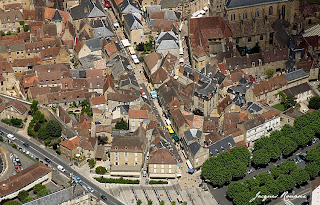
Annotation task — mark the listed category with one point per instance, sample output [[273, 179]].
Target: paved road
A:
[[43, 153], [220, 194]]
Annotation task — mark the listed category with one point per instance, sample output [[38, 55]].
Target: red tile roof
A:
[[98, 100], [138, 114], [70, 143]]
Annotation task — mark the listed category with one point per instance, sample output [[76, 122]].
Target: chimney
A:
[[85, 10]]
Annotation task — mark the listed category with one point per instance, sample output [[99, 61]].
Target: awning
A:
[[175, 137], [189, 164], [205, 8], [125, 42], [168, 122], [191, 171], [132, 50], [170, 129]]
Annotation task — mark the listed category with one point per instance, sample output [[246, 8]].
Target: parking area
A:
[[168, 193], [10, 171]]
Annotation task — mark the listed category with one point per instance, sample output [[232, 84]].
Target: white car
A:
[[59, 167], [11, 137]]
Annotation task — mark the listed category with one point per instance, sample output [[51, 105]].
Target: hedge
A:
[[157, 182], [118, 181]]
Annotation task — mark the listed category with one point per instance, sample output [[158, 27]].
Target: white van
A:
[[11, 137], [59, 167]]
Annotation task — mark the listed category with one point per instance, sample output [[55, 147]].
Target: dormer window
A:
[[16, 17], [43, 47], [126, 147], [49, 46]]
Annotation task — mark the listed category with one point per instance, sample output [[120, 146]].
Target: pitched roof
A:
[[178, 117], [121, 97], [294, 91], [138, 114], [233, 4], [18, 106], [254, 122], [133, 143], [152, 59], [294, 75], [71, 143], [23, 178], [269, 85], [98, 100], [223, 104], [87, 9], [133, 21], [162, 156]]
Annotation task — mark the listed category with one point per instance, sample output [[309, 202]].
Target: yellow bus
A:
[[151, 86], [170, 129]]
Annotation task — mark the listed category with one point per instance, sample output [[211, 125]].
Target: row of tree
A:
[[287, 140], [226, 166], [282, 178]]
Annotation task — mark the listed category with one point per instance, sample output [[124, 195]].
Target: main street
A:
[[42, 153]]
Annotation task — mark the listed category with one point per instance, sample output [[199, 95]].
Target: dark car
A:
[[26, 145], [302, 157], [47, 160], [104, 197]]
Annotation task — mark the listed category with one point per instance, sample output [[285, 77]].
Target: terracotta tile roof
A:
[[138, 114], [18, 106], [26, 62], [152, 59], [121, 97], [178, 117], [269, 85], [270, 114], [162, 156], [38, 46], [231, 120], [88, 144], [71, 143], [99, 64], [49, 14], [111, 48], [213, 137], [275, 55], [9, 38], [103, 128], [29, 14], [39, 91], [118, 2], [15, 6], [108, 83], [50, 52], [98, 100], [133, 144], [63, 115], [222, 68], [203, 29], [23, 178], [96, 110], [223, 104], [159, 76], [94, 73], [25, 36], [30, 81], [78, 46]]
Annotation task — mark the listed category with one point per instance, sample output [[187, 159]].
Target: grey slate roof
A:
[[192, 134], [17, 47], [239, 100], [102, 32], [253, 107], [87, 61], [220, 77], [133, 21], [167, 4], [296, 75], [294, 91], [291, 64], [129, 6], [167, 44], [221, 146], [153, 8], [172, 15], [124, 109], [239, 89], [232, 4], [166, 36], [57, 17], [94, 44], [87, 9], [194, 148]]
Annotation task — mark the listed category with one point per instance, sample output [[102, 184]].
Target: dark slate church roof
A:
[[57, 17], [232, 4]]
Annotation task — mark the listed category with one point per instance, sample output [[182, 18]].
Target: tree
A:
[[11, 203], [22, 195], [273, 150], [173, 203], [238, 169], [149, 202], [263, 178], [102, 140], [9, 33], [161, 202], [250, 183], [236, 188], [43, 192], [312, 169], [272, 187], [261, 157], [242, 154], [1, 138], [276, 172], [38, 117], [19, 29], [101, 170], [289, 148], [288, 166], [54, 129], [185, 203], [122, 125], [269, 73], [314, 103], [25, 28], [34, 106], [300, 176], [27, 199], [220, 176], [91, 163], [289, 102], [85, 103], [38, 187], [139, 202], [286, 182], [43, 133]]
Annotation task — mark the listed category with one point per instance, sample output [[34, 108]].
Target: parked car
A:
[[103, 197], [298, 159], [47, 160], [90, 189], [302, 156], [26, 145], [16, 168], [11, 137], [59, 167]]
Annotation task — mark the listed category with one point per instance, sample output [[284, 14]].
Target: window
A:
[[270, 10], [245, 15], [135, 164], [116, 159], [170, 171], [257, 13], [237, 40], [249, 39], [169, 166], [162, 170], [126, 163], [155, 166], [116, 163], [261, 37], [136, 159], [126, 147], [126, 154], [154, 171], [283, 11], [135, 154], [233, 16], [116, 147]]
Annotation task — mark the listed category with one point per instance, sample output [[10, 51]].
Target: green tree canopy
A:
[[263, 178], [312, 169], [269, 73], [261, 157], [34, 106], [22, 195], [286, 182], [101, 170], [38, 187], [242, 154], [314, 103], [122, 125], [300, 176], [38, 117], [91, 163], [139, 202], [54, 129], [11, 203], [43, 192], [236, 188]]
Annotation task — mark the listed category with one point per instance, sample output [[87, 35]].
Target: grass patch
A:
[[117, 181], [157, 182], [279, 107]]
